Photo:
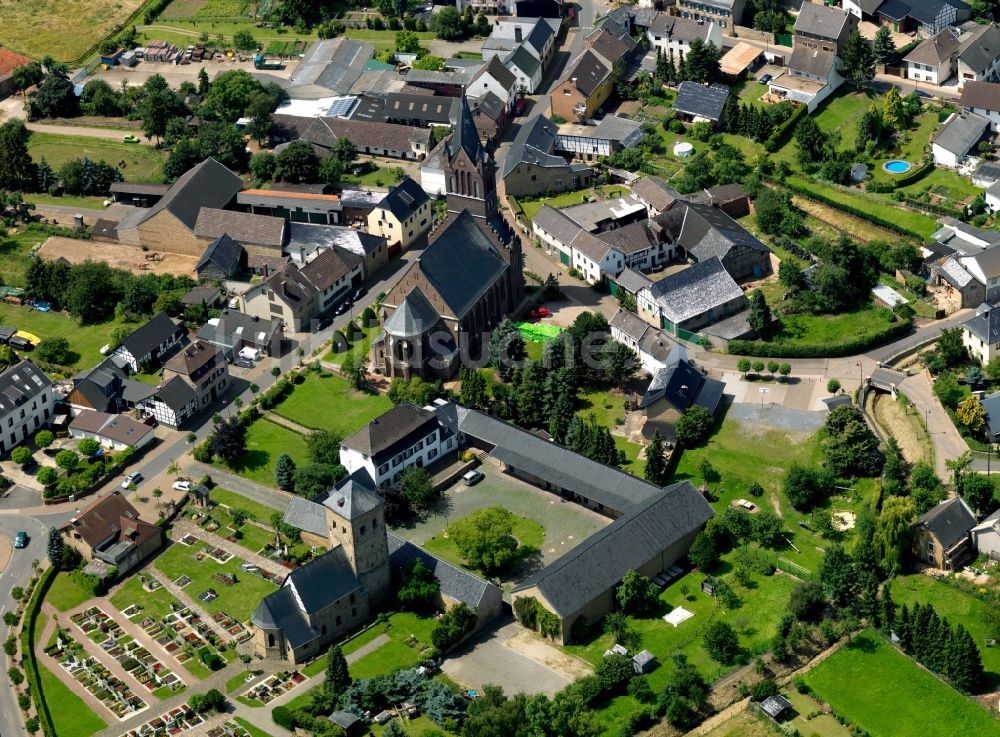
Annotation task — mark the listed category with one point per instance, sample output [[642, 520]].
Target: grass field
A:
[[959, 607], [358, 349], [142, 163], [886, 694], [529, 534], [266, 441], [568, 199], [14, 255], [154, 603], [238, 600], [70, 714], [93, 203], [84, 340], [806, 329], [63, 29], [231, 499], [251, 729], [65, 593], [391, 656], [348, 410]]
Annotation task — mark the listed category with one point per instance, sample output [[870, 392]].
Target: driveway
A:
[[491, 658]]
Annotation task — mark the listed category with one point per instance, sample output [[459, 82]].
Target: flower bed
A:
[[274, 686]]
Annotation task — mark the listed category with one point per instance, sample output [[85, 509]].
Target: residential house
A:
[[114, 432], [467, 280], [726, 13], [934, 59], [306, 240], [169, 225], [704, 232], [403, 217], [675, 388], [106, 388], [673, 34], [111, 531], [698, 103], [223, 259], [955, 144], [526, 68], [683, 302], [286, 295], [981, 334], [589, 142], [979, 55], [652, 345], [537, 34], [333, 273], [941, 536], [655, 194], [9, 61], [494, 77], [401, 437], [27, 403], [649, 538], [986, 174], [585, 87], [147, 345], [986, 535], [926, 17], [823, 27], [303, 204], [982, 98], [531, 168], [812, 76], [232, 331]]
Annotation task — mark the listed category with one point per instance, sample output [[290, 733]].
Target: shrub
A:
[[21, 455], [846, 347]]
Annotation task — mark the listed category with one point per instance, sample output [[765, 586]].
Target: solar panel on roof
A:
[[340, 107], [406, 198]]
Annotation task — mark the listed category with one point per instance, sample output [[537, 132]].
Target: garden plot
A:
[[274, 686], [114, 694], [133, 656], [177, 720]]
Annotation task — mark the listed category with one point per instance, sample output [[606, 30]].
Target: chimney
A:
[[517, 34], [573, 81]]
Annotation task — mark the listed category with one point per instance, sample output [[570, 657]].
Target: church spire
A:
[[466, 135], [470, 172]]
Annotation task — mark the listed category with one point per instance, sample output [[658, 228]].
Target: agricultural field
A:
[[886, 694], [64, 30], [208, 9]]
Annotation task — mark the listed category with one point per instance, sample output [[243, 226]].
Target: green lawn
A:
[[380, 176], [842, 112], [755, 621], [348, 410], [84, 340], [92, 203], [886, 694], [606, 407], [568, 199], [808, 329], [15, 249], [256, 510], [251, 729], [155, 604], [959, 607], [65, 593], [236, 681], [359, 349], [238, 600], [266, 441], [142, 163], [391, 656], [529, 534], [71, 716], [946, 183]]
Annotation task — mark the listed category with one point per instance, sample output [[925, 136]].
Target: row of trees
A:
[[700, 64], [948, 650]]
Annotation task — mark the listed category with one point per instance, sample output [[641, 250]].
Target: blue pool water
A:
[[897, 167]]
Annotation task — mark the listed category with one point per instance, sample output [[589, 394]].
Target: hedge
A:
[[780, 135], [819, 350], [914, 175], [855, 211], [28, 652]]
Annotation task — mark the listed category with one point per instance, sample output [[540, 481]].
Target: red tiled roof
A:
[[9, 61]]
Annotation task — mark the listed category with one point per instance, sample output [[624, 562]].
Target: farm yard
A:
[[64, 29]]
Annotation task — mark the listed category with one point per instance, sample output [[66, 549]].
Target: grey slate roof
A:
[[306, 515], [632, 281], [559, 466], [21, 382], [331, 265], [695, 290], [552, 221], [590, 70], [961, 133], [466, 136], [774, 705], [455, 583], [991, 405], [621, 130], [539, 36], [629, 323], [821, 20], [656, 192], [352, 497], [815, 62], [984, 95], [533, 144], [981, 49], [396, 106], [394, 430], [495, 68], [233, 327], [209, 184], [461, 263], [244, 227], [708, 231], [413, 317], [404, 199], [985, 325], [590, 246], [676, 28], [949, 521], [934, 51], [630, 542], [701, 100], [631, 238], [159, 329], [523, 59], [682, 385], [176, 393]]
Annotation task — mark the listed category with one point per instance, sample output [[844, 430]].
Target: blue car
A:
[[21, 540]]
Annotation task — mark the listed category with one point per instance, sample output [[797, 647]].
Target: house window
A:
[[270, 640]]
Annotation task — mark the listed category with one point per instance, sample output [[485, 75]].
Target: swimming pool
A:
[[897, 167]]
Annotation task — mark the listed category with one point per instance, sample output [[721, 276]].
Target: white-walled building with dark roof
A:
[[27, 403]]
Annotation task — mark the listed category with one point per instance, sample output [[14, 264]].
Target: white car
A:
[[132, 479], [181, 486]]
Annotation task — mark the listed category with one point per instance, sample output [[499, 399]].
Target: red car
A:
[[541, 312]]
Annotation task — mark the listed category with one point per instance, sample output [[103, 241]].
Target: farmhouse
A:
[[979, 55], [674, 34], [531, 167], [691, 299], [9, 61], [147, 345], [232, 331], [982, 98], [675, 388], [941, 536], [933, 60]]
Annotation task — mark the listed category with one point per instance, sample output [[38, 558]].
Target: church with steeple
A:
[[468, 279]]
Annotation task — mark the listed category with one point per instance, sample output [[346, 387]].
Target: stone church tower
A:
[[356, 520]]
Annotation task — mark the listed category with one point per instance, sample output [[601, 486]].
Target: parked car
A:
[[181, 486], [132, 479], [765, 79], [472, 478], [130, 139], [324, 322], [359, 293], [541, 312], [16, 341], [21, 540], [241, 362], [342, 308]]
